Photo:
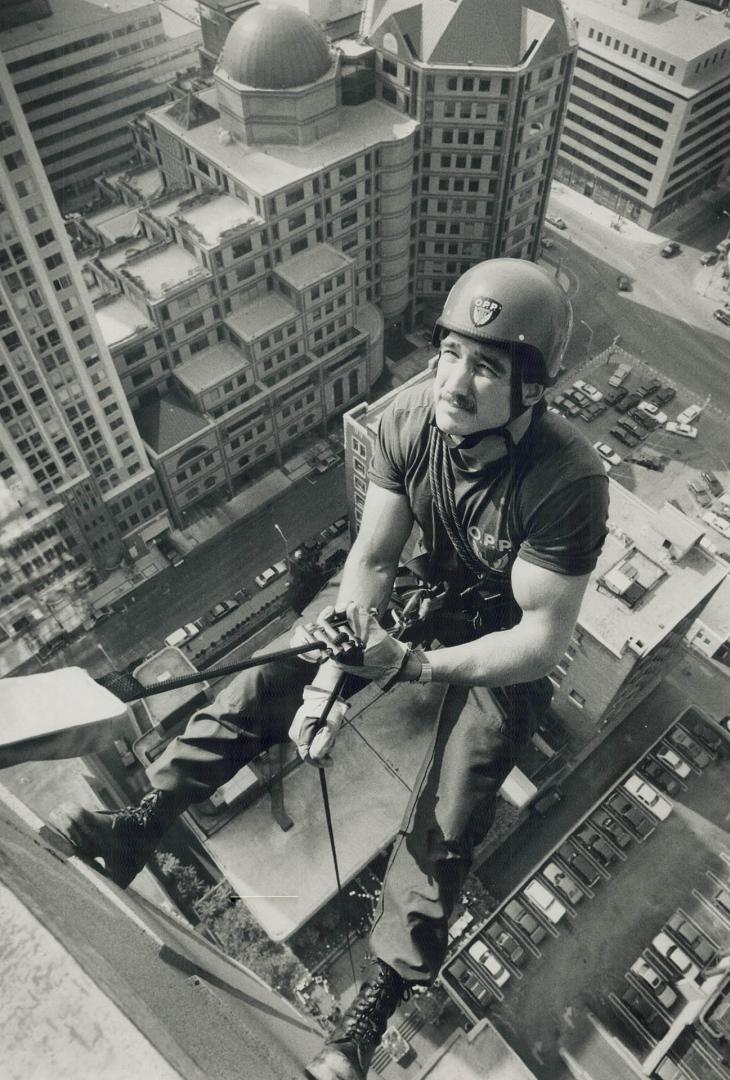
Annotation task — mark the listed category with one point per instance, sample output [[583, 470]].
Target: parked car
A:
[[579, 865], [625, 437], [339, 525], [722, 508], [686, 430], [648, 795], [709, 258], [659, 987], [556, 221], [719, 524], [700, 493], [563, 882], [588, 389], [675, 956], [569, 408], [270, 574], [639, 820], [632, 429], [615, 394], [689, 747], [664, 395], [461, 924], [593, 410], [483, 955], [722, 899], [170, 550], [697, 944], [623, 284], [653, 410], [673, 761], [659, 777], [722, 316], [544, 901], [506, 943], [714, 485], [525, 921], [607, 452], [465, 977], [644, 419], [223, 608], [620, 375], [645, 1013], [645, 389], [631, 400], [608, 823], [689, 414], [670, 249], [546, 242], [701, 730], [182, 635], [599, 848], [578, 397]]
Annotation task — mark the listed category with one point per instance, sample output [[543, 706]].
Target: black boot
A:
[[125, 839], [348, 1051]]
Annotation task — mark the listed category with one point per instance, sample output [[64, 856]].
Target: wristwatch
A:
[[426, 673]]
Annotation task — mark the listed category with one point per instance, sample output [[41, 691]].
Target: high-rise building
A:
[[82, 69], [648, 120], [77, 488]]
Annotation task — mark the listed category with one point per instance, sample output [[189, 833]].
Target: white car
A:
[[182, 635], [677, 957], [673, 761], [270, 574], [607, 453], [483, 955], [649, 796], [620, 375], [663, 993], [675, 428], [588, 389], [689, 414], [653, 411], [544, 901], [720, 524]]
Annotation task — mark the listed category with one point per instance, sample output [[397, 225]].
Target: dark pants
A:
[[450, 810]]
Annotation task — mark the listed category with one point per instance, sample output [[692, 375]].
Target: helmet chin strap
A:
[[517, 409]]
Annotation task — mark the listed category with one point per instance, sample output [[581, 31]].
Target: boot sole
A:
[[119, 875], [330, 1064]]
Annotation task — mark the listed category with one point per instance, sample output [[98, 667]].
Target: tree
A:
[[307, 578]]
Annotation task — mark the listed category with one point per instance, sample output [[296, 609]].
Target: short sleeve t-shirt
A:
[[548, 503]]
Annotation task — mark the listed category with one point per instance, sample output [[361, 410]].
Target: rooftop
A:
[[164, 268], [275, 46], [212, 366], [215, 217], [475, 1054], [312, 265], [120, 319], [167, 422], [674, 587], [114, 222], [260, 315], [145, 182], [67, 20], [168, 663], [267, 169], [716, 613]]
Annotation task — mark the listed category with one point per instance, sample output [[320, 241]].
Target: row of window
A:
[[79, 44], [661, 65], [624, 84], [611, 136]]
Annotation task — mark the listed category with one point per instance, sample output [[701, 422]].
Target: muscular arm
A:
[[550, 603]]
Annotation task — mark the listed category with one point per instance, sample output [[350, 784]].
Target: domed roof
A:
[[274, 46]]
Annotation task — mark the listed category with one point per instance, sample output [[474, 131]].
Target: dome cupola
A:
[[275, 46]]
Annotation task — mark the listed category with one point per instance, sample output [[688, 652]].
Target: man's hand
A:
[[312, 741], [383, 656]]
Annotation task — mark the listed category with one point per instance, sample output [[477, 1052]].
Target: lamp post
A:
[[590, 337], [286, 546]]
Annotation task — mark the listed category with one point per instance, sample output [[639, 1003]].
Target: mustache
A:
[[459, 401]]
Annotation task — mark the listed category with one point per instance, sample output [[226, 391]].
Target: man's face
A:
[[472, 389]]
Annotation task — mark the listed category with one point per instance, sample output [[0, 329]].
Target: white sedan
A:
[[544, 901], [483, 955], [689, 414], [588, 389], [676, 956], [607, 453], [649, 796], [270, 574], [675, 428], [664, 994], [653, 411], [720, 524], [673, 761]]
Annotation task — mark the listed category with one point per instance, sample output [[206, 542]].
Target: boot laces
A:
[[366, 1019], [143, 814]]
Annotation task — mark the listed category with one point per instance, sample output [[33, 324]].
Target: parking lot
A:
[[656, 464], [624, 875]]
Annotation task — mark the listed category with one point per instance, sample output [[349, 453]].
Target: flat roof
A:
[[114, 257], [217, 216], [678, 585], [261, 314], [146, 182], [168, 663], [167, 422], [275, 166], [120, 319], [66, 19], [114, 222], [475, 1054], [716, 612], [211, 366], [308, 267], [164, 268]]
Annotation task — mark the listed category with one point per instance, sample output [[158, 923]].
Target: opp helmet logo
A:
[[483, 310]]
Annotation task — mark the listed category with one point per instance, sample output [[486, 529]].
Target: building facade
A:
[[82, 69], [648, 121], [78, 492]]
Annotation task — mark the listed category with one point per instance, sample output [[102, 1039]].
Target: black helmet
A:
[[515, 304]]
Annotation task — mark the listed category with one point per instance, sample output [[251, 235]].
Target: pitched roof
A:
[[168, 421]]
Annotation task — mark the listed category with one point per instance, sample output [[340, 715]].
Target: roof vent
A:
[[636, 645], [225, 137]]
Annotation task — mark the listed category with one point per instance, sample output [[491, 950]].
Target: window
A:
[[295, 195], [243, 247], [577, 698]]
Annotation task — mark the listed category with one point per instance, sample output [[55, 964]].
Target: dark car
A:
[[689, 747], [506, 943], [632, 429], [645, 1013], [664, 395], [670, 249], [722, 316], [631, 400], [223, 608], [598, 847], [579, 398], [643, 418], [462, 977], [689, 936], [525, 921], [623, 284], [580, 866], [645, 389], [625, 437], [713, 484], [610, 825], [630, 814], [702, 731], [615, 394], [658, 776]]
